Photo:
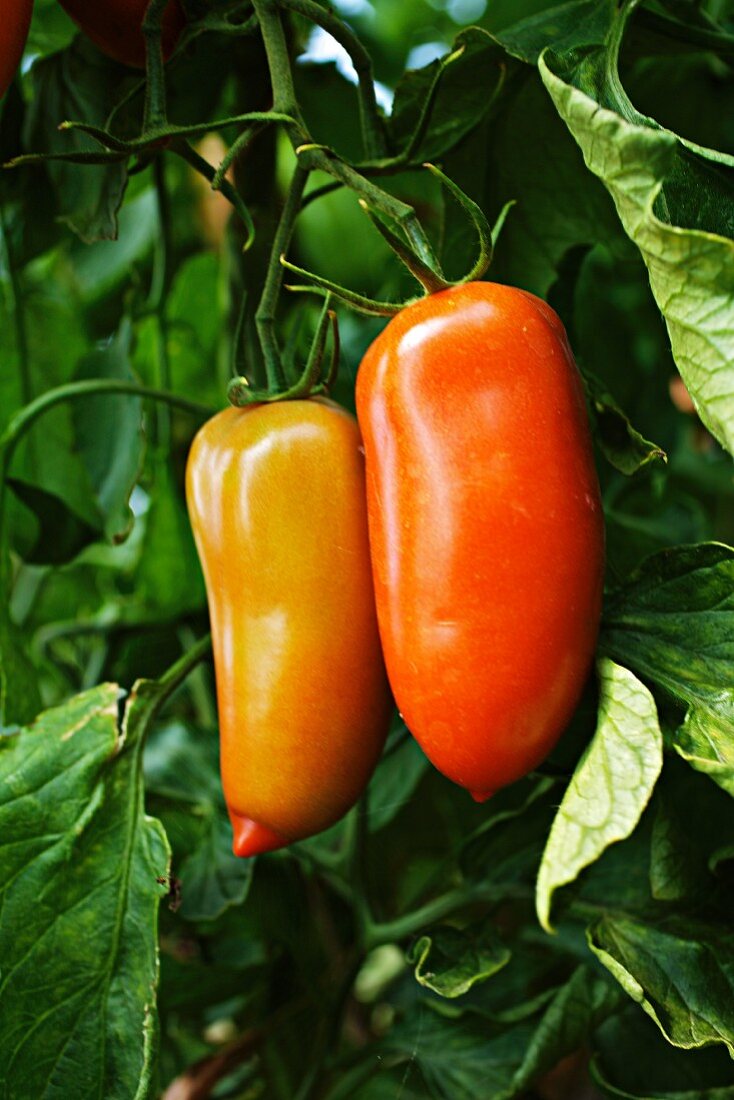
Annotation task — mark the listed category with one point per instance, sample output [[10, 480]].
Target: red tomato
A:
[[114, 26], [277, 504], [15, 19], [486, 528]]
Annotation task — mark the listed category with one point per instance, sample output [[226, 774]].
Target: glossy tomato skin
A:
[[115, 26], [486, 528], [277, 504], [15, 19]]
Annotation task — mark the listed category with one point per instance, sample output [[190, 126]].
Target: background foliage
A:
[[573, 936]]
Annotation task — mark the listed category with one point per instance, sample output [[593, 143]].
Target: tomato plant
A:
[[486, 528], [421, 208], [15, 17], [115, 26], [276, 497]]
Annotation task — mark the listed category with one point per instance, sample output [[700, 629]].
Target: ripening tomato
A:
[[115, 26], [486, 529], [277, 504], [15, 19]]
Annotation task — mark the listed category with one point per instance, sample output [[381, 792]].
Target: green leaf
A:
[[559, 206], [562, 26], [691, 269], [680, 972], [633, 1061], [706, 742], [576, 1010], [182, 767], [451, 960], [78, 83], [20, 699], [169, 581], [674, 623], [626, 449], [396, 777], [457, 1062], [82, 871], [469, 1057], [58, 533], [109, 434], [611, 786], [467, 89], [506, 850]]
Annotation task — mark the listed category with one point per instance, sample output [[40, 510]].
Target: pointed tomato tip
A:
[[251, 838], [481, 796]]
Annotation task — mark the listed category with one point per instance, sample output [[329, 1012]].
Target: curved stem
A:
[[425, 275], [410, 923], [237, 147], [319, 192], [26, 417], [279, 62], [205, 169], [316, 157], [330, 377], [615, 35], [19, 424], [160, 286], [358, 302], [475, 212], [154, 113], [177, 673], [18, 311], [373, 131], [427, 108], [266, 310]]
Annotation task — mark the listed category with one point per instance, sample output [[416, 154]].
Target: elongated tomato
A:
[[277, 504], [486, 529], [115, 26], [15, 19]]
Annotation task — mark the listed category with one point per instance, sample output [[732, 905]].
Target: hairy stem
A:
[[266, 310], [154, 113], [373, 131]]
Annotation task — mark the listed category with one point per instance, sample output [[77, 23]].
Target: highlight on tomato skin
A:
[[486, 527], [276, 498], [15, 20], [115, 27]]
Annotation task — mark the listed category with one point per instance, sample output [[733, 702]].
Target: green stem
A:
[[431, 282], [279, 62], [411, 923], [204, 168], [373, 132], [18, 311], [161, 284], [615, 35], [266, 310], [358, 302], [26, 417], [319, 192], [316, 157], [427, 109], [154, 114], [475, 212], [177, 673]]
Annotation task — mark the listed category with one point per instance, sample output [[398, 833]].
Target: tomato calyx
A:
[[314, 379], [425, 268]]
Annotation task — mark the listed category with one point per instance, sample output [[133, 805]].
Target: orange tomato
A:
[[276, 500], [115, 26], [15, 19], [486, 529]]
